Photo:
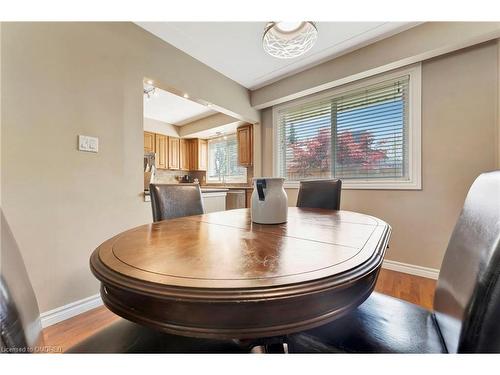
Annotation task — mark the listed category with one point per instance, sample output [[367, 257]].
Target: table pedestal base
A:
[[268, 345]]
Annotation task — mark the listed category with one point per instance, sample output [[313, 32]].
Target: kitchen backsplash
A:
[[165, 176]]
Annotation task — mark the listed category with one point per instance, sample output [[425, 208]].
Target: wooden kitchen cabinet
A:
[[198, 154], [202, 154], [173, 153], [245, 145], [184, 155], [248, 198], [161, 149], [149, 142]]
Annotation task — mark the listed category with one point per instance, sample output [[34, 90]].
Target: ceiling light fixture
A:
[[149, 91], [286, 40]]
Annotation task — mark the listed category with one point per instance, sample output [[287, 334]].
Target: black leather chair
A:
[[21, 330], [320, 194], [20, 326], [466, 304], [169, 201], [127, 337]]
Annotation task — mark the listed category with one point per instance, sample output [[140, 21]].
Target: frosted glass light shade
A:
[[283, 41]]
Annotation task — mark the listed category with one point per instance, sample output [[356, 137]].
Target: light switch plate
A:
[[87, 143]]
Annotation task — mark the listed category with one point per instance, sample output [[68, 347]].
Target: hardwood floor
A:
[[414, 289], [72, 331]]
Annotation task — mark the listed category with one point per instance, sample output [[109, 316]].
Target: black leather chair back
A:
[[467, 299], [175, 200], [320, 194], [20, 327]]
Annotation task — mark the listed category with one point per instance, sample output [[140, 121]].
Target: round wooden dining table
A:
[[219, 275]]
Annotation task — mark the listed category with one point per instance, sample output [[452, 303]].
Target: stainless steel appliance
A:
[[149, 168]]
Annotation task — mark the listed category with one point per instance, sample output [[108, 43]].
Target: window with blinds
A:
[[357, 135], [223, 160]]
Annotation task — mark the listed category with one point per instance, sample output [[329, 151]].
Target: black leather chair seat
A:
[[381, 324], [127, 337]]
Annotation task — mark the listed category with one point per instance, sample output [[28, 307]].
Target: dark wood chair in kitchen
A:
[[320, 194], [169, 201], [21, 331], [466, 303]]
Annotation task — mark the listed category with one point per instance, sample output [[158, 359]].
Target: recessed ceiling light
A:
[[186, 96], [286, 40]]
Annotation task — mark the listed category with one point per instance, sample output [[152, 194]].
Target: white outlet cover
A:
[[88, 144]]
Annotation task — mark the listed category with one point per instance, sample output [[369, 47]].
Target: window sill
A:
[[368, 185]]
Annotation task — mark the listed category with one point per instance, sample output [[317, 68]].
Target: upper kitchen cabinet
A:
[[149, 142], [202, 154], [245, 145], [173, 153], [177, 154], [184, 155], [198, 154], [161, 149]]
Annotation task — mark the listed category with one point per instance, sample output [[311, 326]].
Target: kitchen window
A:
[[367, 134], [223, 161]]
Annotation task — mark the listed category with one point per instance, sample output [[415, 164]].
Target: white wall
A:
[[459, 141], [65, 79]]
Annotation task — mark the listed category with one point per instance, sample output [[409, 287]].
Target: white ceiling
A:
[[217, 131], [235, 48], [173, 109]]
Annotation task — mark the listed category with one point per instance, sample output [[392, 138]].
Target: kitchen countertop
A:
[[231, 187], [204, 190], [214, 190]]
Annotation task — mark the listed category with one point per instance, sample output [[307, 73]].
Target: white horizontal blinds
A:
[[370, 132], [362, 134], [223, 160], [305, 141]]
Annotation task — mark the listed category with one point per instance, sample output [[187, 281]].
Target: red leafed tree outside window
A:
[[312, 157]]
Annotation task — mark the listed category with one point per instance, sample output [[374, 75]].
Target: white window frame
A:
[[414, 181]]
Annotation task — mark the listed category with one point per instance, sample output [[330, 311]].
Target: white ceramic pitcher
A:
[[269, 201]]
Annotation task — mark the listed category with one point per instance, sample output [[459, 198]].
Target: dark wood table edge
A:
[[107, 276], [110, 280]]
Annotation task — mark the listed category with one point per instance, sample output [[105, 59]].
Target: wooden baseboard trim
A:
[[430, 273], [70, 310]]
